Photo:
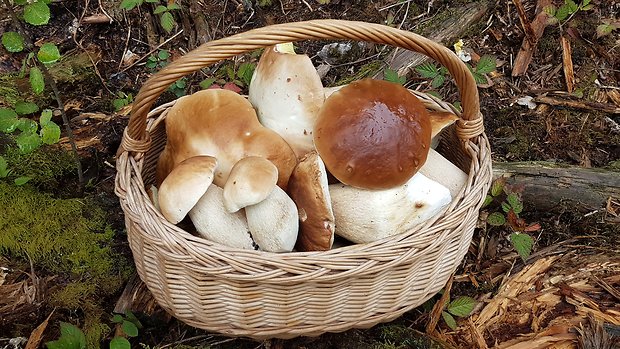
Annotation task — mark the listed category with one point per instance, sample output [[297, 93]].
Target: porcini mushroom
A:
[[222, 124], [251, 180], [184, 186], [287, 93], [373, 134], [214, 223], [309, 190], [274, 222], [444, 172], [364, 215]]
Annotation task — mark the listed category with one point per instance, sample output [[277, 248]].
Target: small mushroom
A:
[[222, 124], [274, 222], [214, 223], [373, 134], [287, 93], [309, 190], [251, 180], [184, 186], [364, 215]]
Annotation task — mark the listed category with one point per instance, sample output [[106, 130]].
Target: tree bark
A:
[[548, 184]]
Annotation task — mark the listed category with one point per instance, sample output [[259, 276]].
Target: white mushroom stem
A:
[[444, 172], [368, 215], [215, 224], [274, 222], [250, 181], [287, 93]]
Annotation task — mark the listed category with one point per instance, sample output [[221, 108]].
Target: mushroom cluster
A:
[[297, 163]]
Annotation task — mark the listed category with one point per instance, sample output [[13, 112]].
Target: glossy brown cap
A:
[[373, 134]]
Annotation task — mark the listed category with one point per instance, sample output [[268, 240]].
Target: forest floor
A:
[[572, 87]]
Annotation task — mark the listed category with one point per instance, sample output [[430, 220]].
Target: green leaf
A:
[[506, 207], [4, 168], [427, 70], [119, 103], [129, 4], [152, 1], [174, 6], [551, 10], [587, 7], [496, 219], [462, 306], [119, 343], [8, 120], [163, 55], [50, 133], [438, 81], [46, 116], [48, 53], [245, 72], [21, 180], [572, 6], [74, 336], [130, 328], [206, 83], [449, 320], [37, 82], [37, 13], [523, 244], [562, 12], [497, 187], [25, 108], [28, 142], [392, 76], [167, 21], [515, 203], [13, 41], [27, 125], [606, 28], [20, 2], [181, 83], [117, 318], [486, 64], [479, 78], [585, 2], [131, 317], [487, 201], [160, 9]]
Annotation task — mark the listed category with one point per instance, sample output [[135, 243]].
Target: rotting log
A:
[[447, 31], [548, 184]]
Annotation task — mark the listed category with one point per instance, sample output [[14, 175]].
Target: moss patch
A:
[[67, 237], [44, 166]]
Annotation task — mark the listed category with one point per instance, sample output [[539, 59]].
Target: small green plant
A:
[[166, 19], [391, 75], [130, 326], [485, 65], [430, 71], [230, 78], [461, 307], [123, 99], [179, 88], [505, 206], [606, 27], [155, 62], [71, 337], [562, 14], [30, 137]]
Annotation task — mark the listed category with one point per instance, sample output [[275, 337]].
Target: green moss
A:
[[67, 237], [44, 166], [9, 95]]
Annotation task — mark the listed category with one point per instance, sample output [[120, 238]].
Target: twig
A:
[[527, 27], [186, 340], [579, 104], [567, 60], [52, 83], [151, 51], [395, 4], [439, 306], [524, 57]]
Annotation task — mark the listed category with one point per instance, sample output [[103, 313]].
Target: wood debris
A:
[[538, 25]]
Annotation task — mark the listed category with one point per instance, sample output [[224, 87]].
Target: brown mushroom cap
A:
[[373, 134], [222, 124], [309, 190]]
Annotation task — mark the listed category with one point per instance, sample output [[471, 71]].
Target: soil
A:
[[586, 137]]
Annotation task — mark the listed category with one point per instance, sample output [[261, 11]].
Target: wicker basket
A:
[[265, 295]]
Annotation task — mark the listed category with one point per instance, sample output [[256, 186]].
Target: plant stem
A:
[[52, 83]]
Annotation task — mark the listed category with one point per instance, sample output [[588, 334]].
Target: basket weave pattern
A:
[[262, 295]]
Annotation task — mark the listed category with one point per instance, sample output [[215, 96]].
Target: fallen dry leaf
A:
[[35, 337]]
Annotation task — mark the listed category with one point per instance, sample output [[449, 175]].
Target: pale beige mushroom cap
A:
[[309, 190], [287, 93], [251, 180], [184, 186], [222, 124]]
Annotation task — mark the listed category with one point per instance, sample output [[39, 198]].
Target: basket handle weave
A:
[[136, 138]]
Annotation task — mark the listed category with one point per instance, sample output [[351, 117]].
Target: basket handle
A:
[[136, 138]]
